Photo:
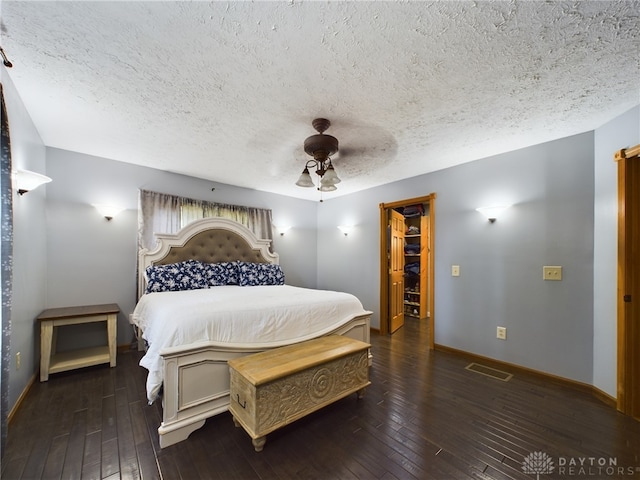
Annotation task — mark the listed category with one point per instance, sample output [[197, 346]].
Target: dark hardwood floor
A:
[[424, 416]]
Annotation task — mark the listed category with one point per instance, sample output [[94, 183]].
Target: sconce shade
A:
[[346, 229], [493, 212], [107, 211], [282, 229], [27, 180]]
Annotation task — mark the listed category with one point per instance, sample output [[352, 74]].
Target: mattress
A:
[[257, 317]]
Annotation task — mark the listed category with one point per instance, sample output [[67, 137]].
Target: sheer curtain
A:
[[6, 265], [157, 213], [164, 213]]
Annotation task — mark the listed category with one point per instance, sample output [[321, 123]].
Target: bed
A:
[[190, 334]]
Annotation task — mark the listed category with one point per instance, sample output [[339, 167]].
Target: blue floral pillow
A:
[[189, 275], [252, 274], [222, 273]]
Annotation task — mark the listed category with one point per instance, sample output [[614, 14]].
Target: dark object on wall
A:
[[5, 60]]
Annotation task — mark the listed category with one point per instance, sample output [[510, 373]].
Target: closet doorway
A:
[[628, 401], [407, 233]]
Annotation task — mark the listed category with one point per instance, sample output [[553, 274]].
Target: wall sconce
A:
[[26, 180], [492, 213], [346, 229], [108, 211], [283, 229]]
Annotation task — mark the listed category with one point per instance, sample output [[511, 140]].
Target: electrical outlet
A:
[[18, 361], [501, 333], [552, 272]]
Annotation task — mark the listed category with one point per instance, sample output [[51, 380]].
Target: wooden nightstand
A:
[[52, 362]]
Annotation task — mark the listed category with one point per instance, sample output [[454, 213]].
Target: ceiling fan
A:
[[320, 147]]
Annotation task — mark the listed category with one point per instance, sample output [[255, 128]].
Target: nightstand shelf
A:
[[84, 357]]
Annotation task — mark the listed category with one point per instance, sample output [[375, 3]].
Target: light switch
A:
[[455, 270], [552, 272]]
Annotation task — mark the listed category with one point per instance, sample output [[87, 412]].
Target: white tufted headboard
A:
[[208, 240]]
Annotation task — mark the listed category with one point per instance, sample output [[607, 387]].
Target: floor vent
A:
[[489, 372]]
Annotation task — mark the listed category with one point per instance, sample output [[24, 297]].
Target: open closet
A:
[[416, 259], [406, 262]]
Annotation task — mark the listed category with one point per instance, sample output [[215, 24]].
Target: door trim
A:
[[627, 356], [384, 266]]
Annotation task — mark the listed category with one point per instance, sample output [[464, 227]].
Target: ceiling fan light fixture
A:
[[331, 176], [326, 187], [320, 147], [305, 179]]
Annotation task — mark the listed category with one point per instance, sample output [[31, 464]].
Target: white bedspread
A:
[[260, 317]]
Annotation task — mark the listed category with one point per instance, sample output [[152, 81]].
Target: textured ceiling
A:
[[227, 91]]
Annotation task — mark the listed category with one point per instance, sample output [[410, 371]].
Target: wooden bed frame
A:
[[187, 400]]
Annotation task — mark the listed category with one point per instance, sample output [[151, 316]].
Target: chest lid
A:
[[270, 365]]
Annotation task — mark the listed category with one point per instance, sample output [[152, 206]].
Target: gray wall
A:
[[29, 245], [91, 260], [621, 132], [549, 324], [560, 215]]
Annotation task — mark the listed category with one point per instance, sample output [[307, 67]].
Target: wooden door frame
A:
[[384, 267], [625, 362]]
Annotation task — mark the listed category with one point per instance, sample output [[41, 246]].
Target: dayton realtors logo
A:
[[540, 463]]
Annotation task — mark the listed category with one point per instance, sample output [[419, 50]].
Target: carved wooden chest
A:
[[274, 388]]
